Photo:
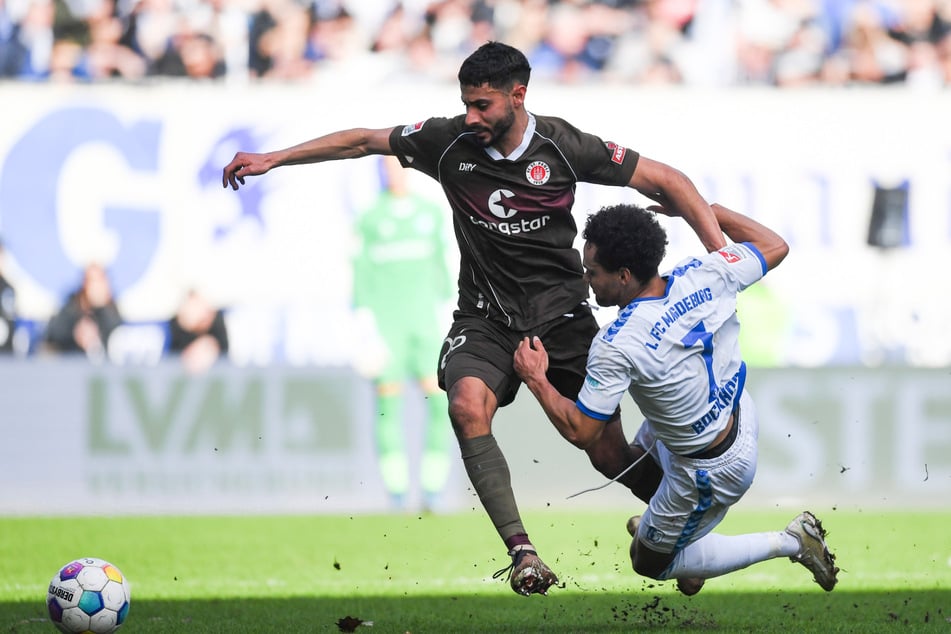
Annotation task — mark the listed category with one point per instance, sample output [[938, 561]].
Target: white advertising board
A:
[[82, 439], [131, 176]]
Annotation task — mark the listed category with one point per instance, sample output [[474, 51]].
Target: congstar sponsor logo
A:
[[525, 225]]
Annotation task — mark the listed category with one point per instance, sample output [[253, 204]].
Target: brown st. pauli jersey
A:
[[512, 215]]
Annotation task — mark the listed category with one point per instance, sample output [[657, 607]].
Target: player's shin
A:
[[490, 477], [714, 555]]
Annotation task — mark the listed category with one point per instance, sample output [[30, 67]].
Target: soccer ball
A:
[[88, 595]]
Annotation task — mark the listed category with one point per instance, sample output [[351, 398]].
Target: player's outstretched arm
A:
[[531, 364], [672, 188], [344, 144], [740, 228]]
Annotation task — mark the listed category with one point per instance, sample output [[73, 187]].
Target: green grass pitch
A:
[[433, 573]]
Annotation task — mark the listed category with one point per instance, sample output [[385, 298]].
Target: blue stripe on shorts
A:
[[705, 500]]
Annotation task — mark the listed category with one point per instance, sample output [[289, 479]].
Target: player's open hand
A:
[[531, 359], [244, 164]]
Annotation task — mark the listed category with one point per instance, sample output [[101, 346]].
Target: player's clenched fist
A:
[[531, 359]]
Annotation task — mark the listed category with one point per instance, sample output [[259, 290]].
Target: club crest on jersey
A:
[[654, 535], [413, 128], [617, 152], [538, 173]]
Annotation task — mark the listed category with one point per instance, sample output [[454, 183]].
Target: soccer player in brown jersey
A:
[[510, 177]]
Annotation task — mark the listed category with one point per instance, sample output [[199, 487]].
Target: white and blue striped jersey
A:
[[678, 355]]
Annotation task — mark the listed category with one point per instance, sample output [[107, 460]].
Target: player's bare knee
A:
[[461, 416], [468, 418], [471, 407]]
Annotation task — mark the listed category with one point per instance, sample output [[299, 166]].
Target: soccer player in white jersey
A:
[[674, 346]]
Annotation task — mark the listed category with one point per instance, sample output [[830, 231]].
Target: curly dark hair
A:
[[496, 64], [627, 236]]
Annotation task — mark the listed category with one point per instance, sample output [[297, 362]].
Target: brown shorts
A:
[[478, 347]]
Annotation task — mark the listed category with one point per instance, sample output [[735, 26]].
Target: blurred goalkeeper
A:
[[674, 346], [510, 178], [400, 283]]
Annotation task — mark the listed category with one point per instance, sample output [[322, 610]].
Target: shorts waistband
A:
[[724, 445]]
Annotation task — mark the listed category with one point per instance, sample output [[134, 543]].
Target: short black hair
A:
[[627, 236], [496, 64]]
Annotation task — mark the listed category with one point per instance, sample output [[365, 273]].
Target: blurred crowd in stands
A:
[[690, 42], [89, 323]]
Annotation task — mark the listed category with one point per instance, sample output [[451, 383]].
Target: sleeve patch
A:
[[413, 128], [732, 254], [617, 152]]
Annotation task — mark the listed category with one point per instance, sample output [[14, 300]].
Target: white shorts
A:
[[694, 494]]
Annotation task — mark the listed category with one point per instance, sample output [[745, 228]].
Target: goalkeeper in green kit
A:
[[401, 283]]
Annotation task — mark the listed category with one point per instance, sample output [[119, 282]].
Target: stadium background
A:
[[848, 339]]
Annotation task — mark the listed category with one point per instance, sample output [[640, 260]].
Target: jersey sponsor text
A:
[[511, 228]]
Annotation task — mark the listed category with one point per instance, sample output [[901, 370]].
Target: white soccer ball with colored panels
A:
[[88, 595]]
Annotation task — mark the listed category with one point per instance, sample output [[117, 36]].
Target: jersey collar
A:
[[517, 153]]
